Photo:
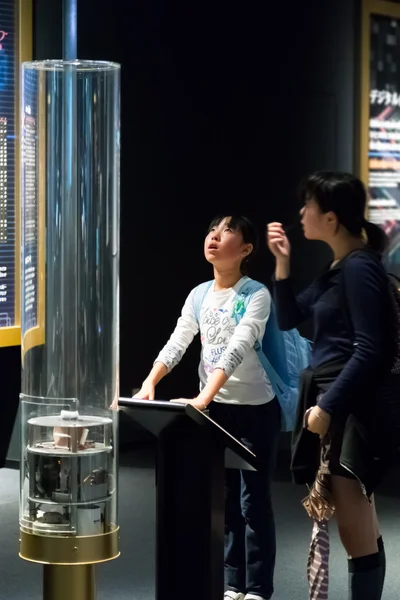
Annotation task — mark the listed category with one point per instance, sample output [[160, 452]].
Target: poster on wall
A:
[[8, 87], [15, 47], [33, 207], [384, 132], [30, 233]]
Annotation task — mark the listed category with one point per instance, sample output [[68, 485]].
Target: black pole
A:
[[70, 45]]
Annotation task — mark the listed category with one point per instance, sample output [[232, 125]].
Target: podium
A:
[[192, 453]]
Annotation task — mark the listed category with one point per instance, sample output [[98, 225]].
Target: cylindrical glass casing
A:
[[70, 307]]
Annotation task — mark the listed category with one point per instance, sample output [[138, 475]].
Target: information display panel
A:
[[15, 46], [379, 159], [33, 205]]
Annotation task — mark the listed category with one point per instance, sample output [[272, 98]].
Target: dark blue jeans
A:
[[250, 541]]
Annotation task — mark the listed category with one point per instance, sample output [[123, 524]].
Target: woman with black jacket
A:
[[339, 446]]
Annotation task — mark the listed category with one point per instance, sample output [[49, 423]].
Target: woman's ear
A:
[[332, 221]]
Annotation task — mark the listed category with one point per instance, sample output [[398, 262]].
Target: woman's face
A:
[[316, 224], [224, 247]]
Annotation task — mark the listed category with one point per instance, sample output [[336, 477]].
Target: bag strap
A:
[[198, 298], [248, 289], [274, 346], [277, 383]]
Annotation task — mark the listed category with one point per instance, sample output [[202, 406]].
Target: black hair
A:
[[345, 195], [248, 231]]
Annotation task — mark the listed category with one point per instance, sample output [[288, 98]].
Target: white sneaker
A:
[[231, 595], [253, 597]]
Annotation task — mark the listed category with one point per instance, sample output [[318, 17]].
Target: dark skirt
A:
[[356, 446], [331, 450]]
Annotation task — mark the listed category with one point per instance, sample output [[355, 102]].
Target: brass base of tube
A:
[[72, 582], [69, 550]]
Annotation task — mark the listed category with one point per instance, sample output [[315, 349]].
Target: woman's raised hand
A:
[[277, 241]]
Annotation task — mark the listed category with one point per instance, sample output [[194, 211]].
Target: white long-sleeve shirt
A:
[[225, 344]]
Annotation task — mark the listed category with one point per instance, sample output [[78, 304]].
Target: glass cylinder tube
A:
[[70, 307]]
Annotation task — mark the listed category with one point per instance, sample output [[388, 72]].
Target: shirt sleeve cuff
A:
[[229, 364], [324, 404], [282, 282]]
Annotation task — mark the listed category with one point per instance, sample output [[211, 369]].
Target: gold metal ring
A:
[[55, 550]]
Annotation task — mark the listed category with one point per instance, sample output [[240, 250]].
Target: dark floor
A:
[[131, 577]]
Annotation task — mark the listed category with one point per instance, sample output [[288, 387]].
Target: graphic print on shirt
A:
[[239, 309], [217, 327]]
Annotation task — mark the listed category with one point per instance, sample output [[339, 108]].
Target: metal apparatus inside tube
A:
[[70, 113]]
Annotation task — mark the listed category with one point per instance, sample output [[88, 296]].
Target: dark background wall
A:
[[224, 108]]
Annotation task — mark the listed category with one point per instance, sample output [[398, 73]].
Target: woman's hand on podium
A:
[[196, 402]]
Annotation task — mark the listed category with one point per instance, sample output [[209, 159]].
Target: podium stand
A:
[[192, 453]]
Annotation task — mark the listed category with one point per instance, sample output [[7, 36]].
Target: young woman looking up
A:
[[239, 396]]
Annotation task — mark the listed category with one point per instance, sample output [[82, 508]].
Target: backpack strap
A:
[[271, 354], [248, 289], [272, 351], [198, 297], [273, 345], [276, 382], [276, 344], [243, 297]]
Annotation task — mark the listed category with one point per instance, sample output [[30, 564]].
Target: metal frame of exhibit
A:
[[11, 336], [383, 8]]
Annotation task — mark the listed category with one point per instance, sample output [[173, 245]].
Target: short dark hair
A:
[[246, 228], [345, 195]]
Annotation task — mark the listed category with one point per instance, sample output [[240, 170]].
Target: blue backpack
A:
[[283, 354]]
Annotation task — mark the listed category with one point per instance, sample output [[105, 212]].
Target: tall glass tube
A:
[[70, 311]]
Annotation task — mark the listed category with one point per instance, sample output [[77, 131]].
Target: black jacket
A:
[[367, 449]]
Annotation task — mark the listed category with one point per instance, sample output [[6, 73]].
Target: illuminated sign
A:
[[15, 46], [2, 36], [8, 89], [380, 119]]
